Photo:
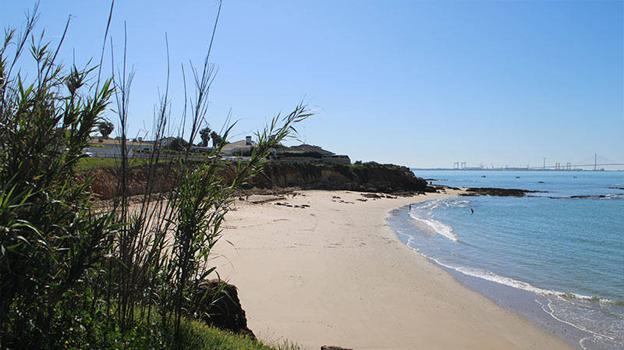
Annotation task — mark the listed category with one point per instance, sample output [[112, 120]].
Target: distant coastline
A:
[[511, 169]]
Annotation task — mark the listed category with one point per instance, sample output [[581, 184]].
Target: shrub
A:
[[50, 238], [72, 276]]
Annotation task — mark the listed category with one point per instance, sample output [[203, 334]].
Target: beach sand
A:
[[333, 273]]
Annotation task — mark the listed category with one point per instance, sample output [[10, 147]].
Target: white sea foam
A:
[[423, 214], [438, 227], [458, 203], [606, 338], [507, 281], [492, 277]]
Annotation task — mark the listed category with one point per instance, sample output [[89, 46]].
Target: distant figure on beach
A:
[[410, 207], [471, 211]]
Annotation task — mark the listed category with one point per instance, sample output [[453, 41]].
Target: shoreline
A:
[[334, 273], [516, 296]]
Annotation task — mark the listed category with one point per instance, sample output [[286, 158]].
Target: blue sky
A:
[[416, 83]]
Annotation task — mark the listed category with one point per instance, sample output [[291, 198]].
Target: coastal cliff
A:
[[366, 177]]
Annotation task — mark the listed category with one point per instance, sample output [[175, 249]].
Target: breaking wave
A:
[[423, 213], [561, 306]]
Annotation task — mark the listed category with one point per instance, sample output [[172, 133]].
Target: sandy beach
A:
[[330, 272]]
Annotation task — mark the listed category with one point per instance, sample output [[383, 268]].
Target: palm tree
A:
[[205, 136]]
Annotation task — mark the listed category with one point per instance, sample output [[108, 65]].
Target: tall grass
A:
[[50, 238], [71, 275]]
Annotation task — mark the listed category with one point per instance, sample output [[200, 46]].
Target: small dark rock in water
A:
[[540, 182], [589, 196], [517, 177], [325, 347], [218, 305], [616, 188], [483, 176]]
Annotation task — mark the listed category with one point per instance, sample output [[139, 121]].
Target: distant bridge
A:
[[568, 166], [598, 164]]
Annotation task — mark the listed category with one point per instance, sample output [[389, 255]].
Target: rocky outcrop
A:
[[491, 191], [216, 303], [366, 177]]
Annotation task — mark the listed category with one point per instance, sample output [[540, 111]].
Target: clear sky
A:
[[416, 83]]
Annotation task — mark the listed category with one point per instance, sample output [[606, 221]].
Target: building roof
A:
[[237, 146]]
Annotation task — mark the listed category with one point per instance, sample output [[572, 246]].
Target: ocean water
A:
[[556, 256]]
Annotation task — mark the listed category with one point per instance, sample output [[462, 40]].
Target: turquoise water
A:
[[563, 255]]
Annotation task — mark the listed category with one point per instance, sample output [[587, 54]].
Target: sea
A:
[[555, 256]]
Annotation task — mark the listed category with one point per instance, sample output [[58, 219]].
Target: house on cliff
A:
[[240, 148], [303, 153]]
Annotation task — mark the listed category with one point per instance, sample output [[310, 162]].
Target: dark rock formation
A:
[[327, 347], [365, 177], [490, 191], [590, 196], [217, 304]]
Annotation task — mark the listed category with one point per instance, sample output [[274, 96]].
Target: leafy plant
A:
[[50, 239], [105, 128], [73, 274]]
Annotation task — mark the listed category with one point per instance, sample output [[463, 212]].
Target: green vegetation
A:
[[193, 335], [106, 128], [205, 136], [128, 276], [177, 144], [197, 335]]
